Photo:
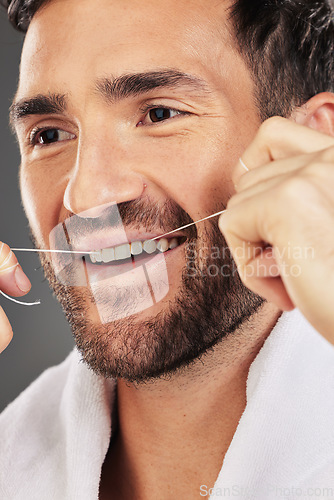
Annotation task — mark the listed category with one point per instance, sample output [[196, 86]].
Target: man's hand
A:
[[13, 282], [280, 223]]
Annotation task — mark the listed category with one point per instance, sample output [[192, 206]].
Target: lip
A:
[[112, 239], [123, 291]]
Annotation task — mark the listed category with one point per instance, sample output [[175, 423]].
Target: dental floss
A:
[[201, 220], [37, 303], [51, 251], [243, 165], [188, 225]]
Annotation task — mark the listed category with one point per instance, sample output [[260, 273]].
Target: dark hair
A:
[[289, 47], [287, 44], [21, 12]]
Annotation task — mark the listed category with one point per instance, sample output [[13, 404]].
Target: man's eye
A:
[[49, 136], [155, 115]]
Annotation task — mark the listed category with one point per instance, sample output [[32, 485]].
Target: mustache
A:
[[135, 214]]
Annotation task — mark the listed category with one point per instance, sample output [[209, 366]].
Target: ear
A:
[[317, 113]]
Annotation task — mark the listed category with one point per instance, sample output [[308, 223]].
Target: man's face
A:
[[179, 136]]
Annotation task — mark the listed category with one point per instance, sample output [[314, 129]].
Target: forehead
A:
[[191, 22], [82, 38]]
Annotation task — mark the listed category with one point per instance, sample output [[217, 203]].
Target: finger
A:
[[6, 332], [280, 138], [255, 222], [271, 170], [248, 232], [258, 272], [316, 174], [257, 266], [13, 281], [271, 289], [287, 165], [256, 189]]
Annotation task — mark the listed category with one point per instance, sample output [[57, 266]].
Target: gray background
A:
[[42, 336]]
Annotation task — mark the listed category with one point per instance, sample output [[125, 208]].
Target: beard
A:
[[211, 304]]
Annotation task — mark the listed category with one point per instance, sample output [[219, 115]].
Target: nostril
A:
[[81, 199]]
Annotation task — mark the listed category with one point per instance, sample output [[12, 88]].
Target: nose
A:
[[103, 174]]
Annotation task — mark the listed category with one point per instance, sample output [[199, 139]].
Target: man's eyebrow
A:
[[132, 85], [37, 105], [112, 89]]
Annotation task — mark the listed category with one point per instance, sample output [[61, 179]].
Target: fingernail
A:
[[22, 280]]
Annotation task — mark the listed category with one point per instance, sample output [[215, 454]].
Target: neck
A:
[[176, 431]]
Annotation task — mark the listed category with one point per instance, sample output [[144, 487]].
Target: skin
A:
[[64, 52], [291, 172]]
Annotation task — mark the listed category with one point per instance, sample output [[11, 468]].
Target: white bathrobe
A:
[[55, 435]]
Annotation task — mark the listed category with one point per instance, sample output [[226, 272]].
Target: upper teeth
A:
[[136, 248]]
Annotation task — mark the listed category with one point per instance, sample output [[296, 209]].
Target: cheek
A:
[[42, 197], [194, 171]]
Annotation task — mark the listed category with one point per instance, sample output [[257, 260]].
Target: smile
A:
[[127, 251]]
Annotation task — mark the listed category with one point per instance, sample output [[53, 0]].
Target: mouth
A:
[[136, 250]]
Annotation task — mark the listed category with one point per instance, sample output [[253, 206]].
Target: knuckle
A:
[[272, 126], [7, 258], [317, 170], [4, 252], [232, 201], [327, 154], [295, 189]]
